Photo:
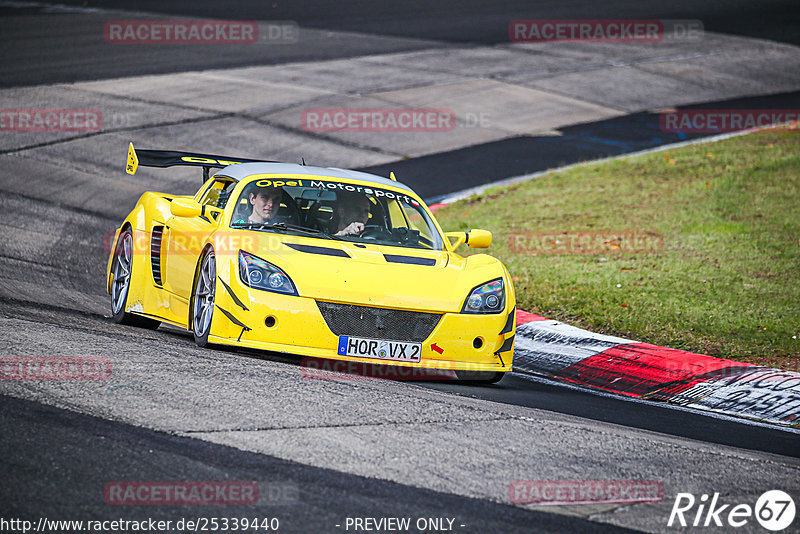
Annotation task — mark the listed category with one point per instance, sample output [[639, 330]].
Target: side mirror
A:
[[185, 207], [473, 238], [479, 238]]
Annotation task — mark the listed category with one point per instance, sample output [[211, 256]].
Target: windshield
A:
[[335, 210]]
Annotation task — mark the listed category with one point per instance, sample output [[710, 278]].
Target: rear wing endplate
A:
[[169, 158]]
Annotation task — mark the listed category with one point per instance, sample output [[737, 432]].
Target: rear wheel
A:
[[480, 377], [203, 300], [121, 270]]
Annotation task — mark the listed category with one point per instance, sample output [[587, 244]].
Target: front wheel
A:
[[479, 377], [122, 272], [203, 301]]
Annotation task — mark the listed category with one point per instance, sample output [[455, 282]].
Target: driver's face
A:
[[356, 212], [265, 205]]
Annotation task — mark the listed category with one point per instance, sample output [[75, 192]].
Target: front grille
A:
[[378, 323]]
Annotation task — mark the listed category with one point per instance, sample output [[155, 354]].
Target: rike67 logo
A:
[[774, 510]]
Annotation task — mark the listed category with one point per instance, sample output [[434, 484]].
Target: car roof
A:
[[241, 171]]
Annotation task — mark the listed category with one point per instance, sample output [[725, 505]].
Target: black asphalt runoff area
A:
[[435, 176], [481, 21], [68, 459]]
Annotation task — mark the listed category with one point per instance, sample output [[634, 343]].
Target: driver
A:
[[352, 214], [264, 203]]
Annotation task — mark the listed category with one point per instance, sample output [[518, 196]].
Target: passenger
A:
[[352, 214]]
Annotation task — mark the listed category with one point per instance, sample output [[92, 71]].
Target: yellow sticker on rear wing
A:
[[133, 161]]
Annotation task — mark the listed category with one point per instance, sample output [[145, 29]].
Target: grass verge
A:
[[697, 248]]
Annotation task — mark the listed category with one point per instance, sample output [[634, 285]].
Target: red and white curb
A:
[[562, 352]]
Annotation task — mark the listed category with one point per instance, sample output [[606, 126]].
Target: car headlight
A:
[[486, 298], [260, 274]]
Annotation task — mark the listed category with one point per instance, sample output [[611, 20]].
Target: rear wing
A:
[[169, 158]]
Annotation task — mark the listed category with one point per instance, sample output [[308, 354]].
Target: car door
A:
[[185, 237]]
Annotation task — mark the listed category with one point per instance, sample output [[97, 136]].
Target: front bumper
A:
[[269, 321]]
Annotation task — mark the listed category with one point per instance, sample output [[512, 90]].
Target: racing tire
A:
[[479, 377], [203, 299], [122, 270]]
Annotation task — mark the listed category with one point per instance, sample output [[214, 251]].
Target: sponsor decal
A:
[[726, 120], [377, 193], [210, 161], [280, 183], [339, 186], [561, 492], [378, 120]]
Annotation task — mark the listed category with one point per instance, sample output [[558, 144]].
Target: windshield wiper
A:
[[283, 226]]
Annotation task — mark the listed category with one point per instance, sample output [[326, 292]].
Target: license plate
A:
[[379, 349]]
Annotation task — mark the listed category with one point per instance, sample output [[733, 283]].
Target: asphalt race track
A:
[[396, 26], [325, 450], [119, 449]]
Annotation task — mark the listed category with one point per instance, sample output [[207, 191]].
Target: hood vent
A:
[[325, 251], [413, 260]]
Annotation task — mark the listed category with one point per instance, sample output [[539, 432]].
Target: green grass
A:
[[725, 279]]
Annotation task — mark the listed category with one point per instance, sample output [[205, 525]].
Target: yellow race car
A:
[[313, 261]]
